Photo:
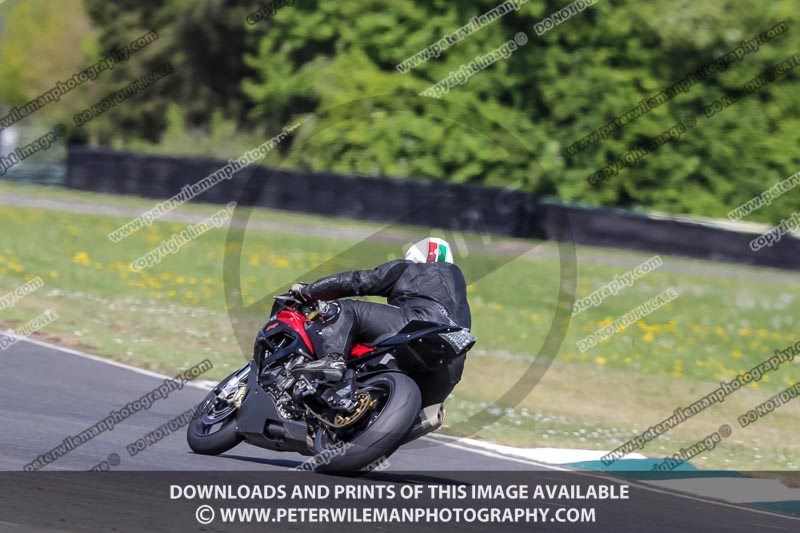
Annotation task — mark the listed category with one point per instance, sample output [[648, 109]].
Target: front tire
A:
[[384, 433]]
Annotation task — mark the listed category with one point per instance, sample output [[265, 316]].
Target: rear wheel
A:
[[212, 431], [394, 403]]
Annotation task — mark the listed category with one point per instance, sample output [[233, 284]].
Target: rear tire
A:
[[383, 435]]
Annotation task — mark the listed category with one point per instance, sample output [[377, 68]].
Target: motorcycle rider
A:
[[426, 285]]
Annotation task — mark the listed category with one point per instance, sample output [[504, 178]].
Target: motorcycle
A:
[[348, 424]]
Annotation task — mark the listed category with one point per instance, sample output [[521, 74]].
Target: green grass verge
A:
[[726, 320]]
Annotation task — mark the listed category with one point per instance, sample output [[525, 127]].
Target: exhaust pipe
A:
[[430, 419]]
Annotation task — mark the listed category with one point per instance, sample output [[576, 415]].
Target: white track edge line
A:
[[609, 477]]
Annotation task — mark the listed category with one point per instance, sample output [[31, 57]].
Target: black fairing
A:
[[269, 340], [418, 346], [258, 413], [258, 420]]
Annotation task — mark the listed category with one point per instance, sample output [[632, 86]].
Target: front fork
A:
[[235, 388]]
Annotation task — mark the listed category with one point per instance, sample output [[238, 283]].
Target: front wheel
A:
[[395, 401], [212, 431]]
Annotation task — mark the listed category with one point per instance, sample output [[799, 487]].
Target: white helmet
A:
[[430, 250]]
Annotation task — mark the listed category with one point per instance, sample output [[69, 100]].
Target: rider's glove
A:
[[299, 292]]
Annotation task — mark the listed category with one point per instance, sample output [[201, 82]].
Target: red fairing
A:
[[296, 321], [359, 350]]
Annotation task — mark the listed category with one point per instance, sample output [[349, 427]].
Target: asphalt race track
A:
[[49, 394]]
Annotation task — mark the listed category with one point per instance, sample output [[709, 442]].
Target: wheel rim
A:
[[364, 422], [214, 417], [217, 412]]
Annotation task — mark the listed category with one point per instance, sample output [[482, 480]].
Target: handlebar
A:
[[287, 300]]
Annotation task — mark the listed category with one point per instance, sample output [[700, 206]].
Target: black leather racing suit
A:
[[435, 292]]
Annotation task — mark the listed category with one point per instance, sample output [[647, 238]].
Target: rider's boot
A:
[[331, 367]]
